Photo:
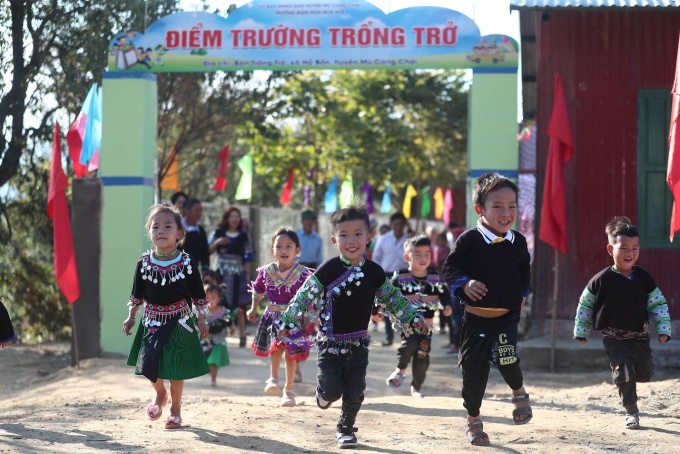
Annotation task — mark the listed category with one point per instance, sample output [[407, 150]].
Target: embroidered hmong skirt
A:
[[216, 352], [231, 268], [266, 340], [164, 347]]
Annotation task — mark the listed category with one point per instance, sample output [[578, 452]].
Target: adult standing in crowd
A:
[[178, 199], [389, 254], [310, 241], [6, 329], [196, 240], [234, 251]]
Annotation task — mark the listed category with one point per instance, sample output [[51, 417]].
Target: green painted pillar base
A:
[[493, 129], [127, 169]]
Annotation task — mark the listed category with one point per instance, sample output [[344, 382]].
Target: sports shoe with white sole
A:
[[271, 386], [322, 404], [346, 438], [288, 399]]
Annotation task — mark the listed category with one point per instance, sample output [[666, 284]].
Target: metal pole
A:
[[554, 312]]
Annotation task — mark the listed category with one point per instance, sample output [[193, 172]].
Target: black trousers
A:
[[416, 347], [343, 376], [631, 362], [487, 341]]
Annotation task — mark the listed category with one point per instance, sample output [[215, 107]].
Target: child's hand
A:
[[378, 317], [581, 340], [283, 333], [232, 330], [4, 344], [475, 290], [203, 328], [663, 338], [128, 324], [251, 314], [447, 311], [420, 326]]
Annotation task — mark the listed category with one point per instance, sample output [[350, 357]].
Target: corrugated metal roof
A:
[[531, 4]]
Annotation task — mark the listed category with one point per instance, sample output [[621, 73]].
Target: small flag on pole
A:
[[65, 268], [221, 180], [287, 188], [244, 190], [410, 194]]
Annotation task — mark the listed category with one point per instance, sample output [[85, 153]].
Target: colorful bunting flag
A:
[[65, 268], [170, 171], [330, 199], [438, 203], [386, 204], [76, 134], [287, 188], [426, 204], [410, 194], [245, 186], [92, 139], [448, 206], [368, 197], [346, 191], [308, 195], [221, 179]]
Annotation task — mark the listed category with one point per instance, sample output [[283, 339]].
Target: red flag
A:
[[287, 188], [57, 209], [673, 172], [74, 140], [553, 226], [221, 180]]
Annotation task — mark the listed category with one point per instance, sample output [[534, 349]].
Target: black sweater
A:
[[504, 267]]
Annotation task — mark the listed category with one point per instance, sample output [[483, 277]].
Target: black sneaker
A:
[[322, 404], [346, 437]]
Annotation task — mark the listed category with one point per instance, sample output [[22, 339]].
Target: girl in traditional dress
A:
[[167, 344], [278, 282], [219, 327], [234, 250]]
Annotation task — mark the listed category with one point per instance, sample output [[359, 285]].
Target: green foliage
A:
[[403, 126]]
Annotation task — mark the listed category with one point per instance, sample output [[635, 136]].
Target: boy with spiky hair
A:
[[619, 301], [343, 290], [489, 270]]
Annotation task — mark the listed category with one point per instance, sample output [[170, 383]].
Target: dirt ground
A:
[[48, 407]]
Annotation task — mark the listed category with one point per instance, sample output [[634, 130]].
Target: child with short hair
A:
[[219, 327], [278, 282], [166, 345], [489, 269], [343, 290], [422, 286], [619, 301]]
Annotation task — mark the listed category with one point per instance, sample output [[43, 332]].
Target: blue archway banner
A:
[[308, 34]]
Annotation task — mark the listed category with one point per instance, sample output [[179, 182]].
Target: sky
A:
[[492, 16]]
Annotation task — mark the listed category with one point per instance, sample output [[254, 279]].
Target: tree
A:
[[404, 126]]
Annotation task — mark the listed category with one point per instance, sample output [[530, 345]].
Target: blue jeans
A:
[[343, 376]]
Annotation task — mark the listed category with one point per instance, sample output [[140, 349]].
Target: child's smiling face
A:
[[351, 238], [285, 250], [625, 252], [499, 212]]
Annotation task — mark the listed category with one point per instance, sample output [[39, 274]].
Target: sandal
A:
[[522, 411], [475, 433], [395, 380], [155, 411], [632, 421], [173, 422]]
